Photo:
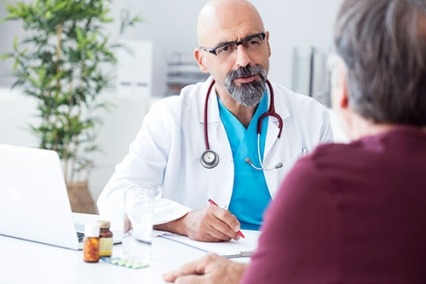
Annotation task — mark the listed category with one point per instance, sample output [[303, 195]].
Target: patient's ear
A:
[[344, 96], [339, 87], [340, 98]]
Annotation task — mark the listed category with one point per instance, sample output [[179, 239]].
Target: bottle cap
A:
[[104, 224], [91, 230]]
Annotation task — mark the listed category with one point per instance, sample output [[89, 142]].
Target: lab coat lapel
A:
[[202, 102], [273, 178], [216, 131], [271, 134], [217, 127], [273, 129]]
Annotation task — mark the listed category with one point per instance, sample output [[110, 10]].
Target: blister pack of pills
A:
[[125, 262]]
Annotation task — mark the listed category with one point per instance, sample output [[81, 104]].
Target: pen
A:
[[214, 203]]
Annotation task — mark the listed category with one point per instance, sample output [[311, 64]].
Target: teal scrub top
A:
[[250, 194]]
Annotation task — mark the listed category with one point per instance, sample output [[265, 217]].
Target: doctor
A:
[[231, 139]]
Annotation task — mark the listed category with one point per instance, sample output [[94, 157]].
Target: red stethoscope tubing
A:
[[271, 112], [206, 104]]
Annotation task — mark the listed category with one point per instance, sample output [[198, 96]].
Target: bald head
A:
[[226, 17]]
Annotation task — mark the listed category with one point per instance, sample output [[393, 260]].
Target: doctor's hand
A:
[[211, 224], [212, 268]]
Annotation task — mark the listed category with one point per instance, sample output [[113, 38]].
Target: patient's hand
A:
[[209, 269]]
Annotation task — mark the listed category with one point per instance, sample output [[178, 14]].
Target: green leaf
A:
[[60, 61]]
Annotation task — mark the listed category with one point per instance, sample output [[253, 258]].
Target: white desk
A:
[[28, 262]]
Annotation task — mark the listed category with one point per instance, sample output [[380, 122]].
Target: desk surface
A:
[[28, 262]]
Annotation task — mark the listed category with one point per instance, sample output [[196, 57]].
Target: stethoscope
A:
[[210, 159]]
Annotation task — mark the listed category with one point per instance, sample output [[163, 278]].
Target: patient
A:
[[353, 213]]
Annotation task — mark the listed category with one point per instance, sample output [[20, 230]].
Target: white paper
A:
[[244, 247]]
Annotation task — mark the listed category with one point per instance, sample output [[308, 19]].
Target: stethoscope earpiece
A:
[[209, 159]]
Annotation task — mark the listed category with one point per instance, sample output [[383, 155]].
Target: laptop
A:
[[34, 202]]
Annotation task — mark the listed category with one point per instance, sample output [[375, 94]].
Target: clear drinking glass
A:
[[138, 207]]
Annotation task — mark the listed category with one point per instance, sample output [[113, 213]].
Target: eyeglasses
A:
[[250, 43]]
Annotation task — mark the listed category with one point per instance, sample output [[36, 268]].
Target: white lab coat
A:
[[166, 152]]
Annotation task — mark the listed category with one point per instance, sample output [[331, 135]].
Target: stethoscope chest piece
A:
[[209, 159]]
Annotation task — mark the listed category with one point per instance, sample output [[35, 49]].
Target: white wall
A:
[[170, 25]]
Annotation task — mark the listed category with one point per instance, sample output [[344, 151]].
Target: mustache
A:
[[248, 71]]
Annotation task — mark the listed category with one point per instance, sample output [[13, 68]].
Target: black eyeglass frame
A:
[[236, 43]]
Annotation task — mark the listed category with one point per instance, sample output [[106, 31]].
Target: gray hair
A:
[[383, 45]]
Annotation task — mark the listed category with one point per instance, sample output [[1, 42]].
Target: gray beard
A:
[[248, 94]]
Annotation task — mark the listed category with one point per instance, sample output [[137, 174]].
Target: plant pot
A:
[[80, 198]]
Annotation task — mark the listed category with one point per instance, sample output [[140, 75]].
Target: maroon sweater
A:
[[349, 213]]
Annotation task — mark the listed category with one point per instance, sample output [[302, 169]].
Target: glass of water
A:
[[138, 227]]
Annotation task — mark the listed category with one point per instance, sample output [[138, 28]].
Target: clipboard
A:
[[244, 247]]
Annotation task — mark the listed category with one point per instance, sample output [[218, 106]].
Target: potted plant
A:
[[64, 62]]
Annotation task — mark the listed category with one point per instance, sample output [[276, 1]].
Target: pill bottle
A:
[[91, 243], [105, 238]]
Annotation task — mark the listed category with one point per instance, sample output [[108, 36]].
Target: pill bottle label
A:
[[105, 247]]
